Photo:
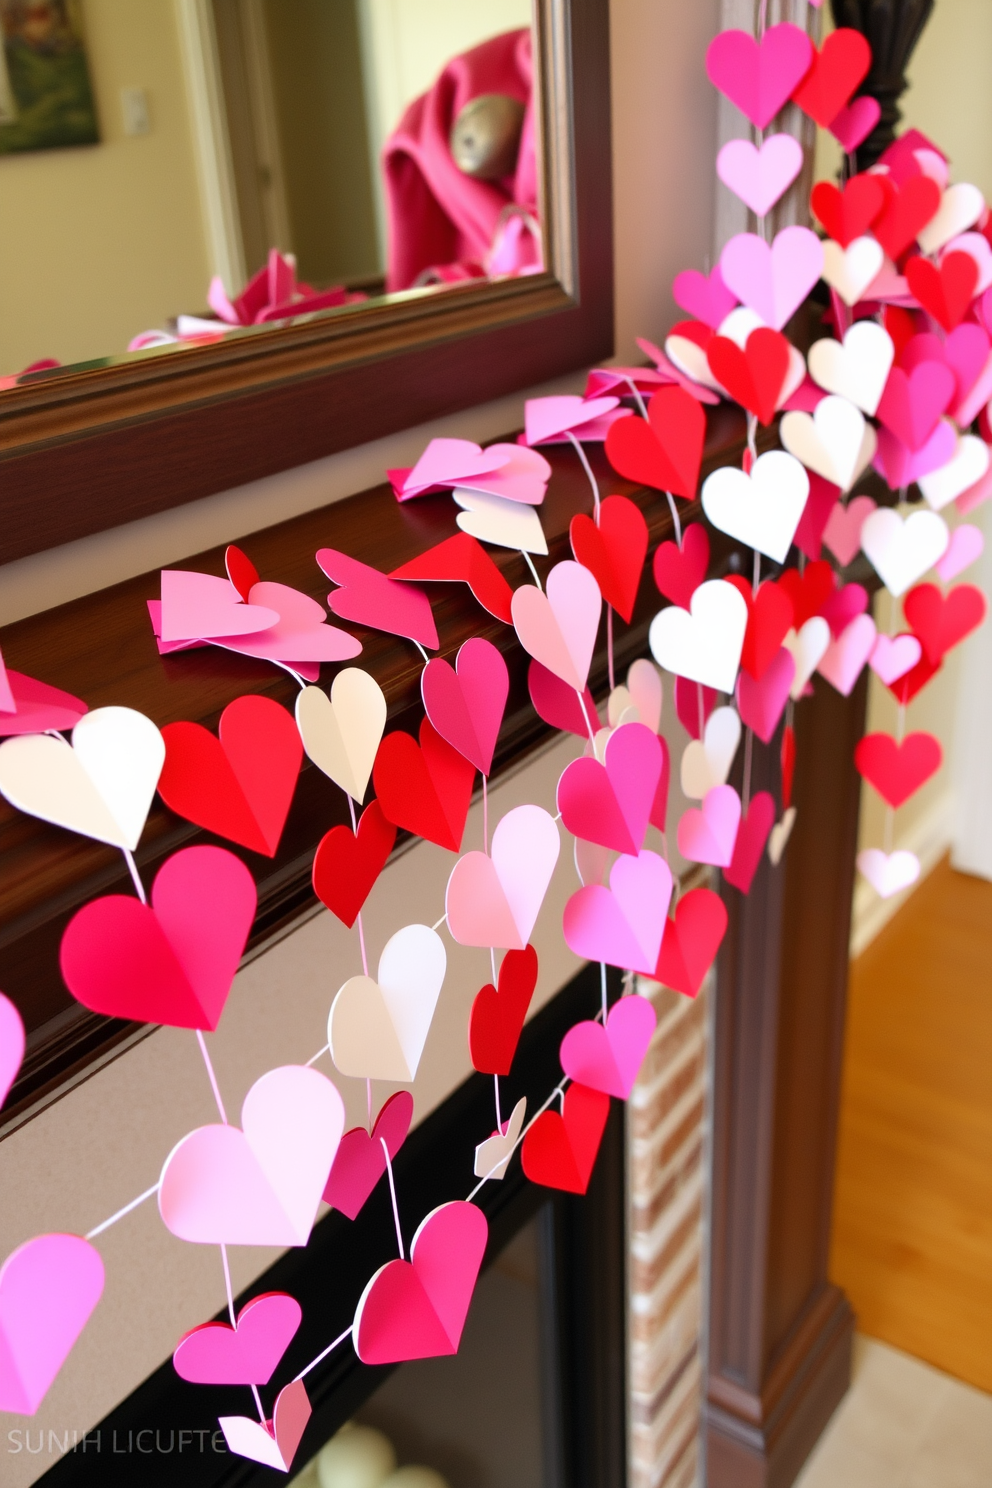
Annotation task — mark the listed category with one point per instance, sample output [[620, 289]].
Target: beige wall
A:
[[102, 242]]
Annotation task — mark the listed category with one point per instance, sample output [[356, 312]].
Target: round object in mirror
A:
[[357, 1457], [485, 136], [416, 1477]]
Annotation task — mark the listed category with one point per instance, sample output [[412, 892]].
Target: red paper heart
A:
[[346, 865], [497, 1018], [769, 619], [614, 552], [945, 289], [752, 834], [425, 788], [241, 571], [823, 497], [788, 764], [838, 68], [755, 376], [360, 1162], [808, 591], [848, 214], [679, 571], [693, 704], [240, 784], [665, 452], [905, 688], [907, 211], [560, 1151], [462, 558], [371, 598], [691, 941], [558, 704], [897, 770], [943, 620]]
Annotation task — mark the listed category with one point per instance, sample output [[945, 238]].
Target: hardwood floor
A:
[[912, 1236]]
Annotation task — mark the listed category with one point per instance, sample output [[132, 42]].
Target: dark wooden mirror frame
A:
[[120, 439]]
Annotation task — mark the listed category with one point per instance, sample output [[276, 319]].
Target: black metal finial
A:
[[892, 27]]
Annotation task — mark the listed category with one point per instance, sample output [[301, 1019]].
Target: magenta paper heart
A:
[[371, 598], [523, 478], [560, 705], [11, 1045], [854, 124], [893, 656], [773, 281], [31, 707], [693, 703], [842, 534], [843, 606], [547, 418], [844, 658], [709, 835], [300, 633], [247, 1354], [760, 176], [171, 961], [260, 1185], [197, 607], [752, 834], [708, 299], [608, 1059], [48, 1288], [495, 901], [273, 1443], [900, 466], [465, 702], [622, 925], [972, 403], [360, 1160], [611, 803], [416, 1309], [966, 352], [448, 462], [759, 77], [966, 546], [760, 703], [913, 401], [558, 628]]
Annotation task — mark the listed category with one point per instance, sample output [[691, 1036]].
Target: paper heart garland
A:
[[666, 452], [900, 551], [761, 703], [492, 1157], [31, 707], [462, 559], [897, 770], [609, 1058], [247, 1354], [856, 369], [198, 606], [706, 762], [835, 441], [505, 524], [759, 76], [550, 418], [756, 824], [704, 643], [761, 509], [447, 462], [377, 1029], [836, 70], [347, 864], [560, 705], [560, 1151], [497, 1018], [341, 732], [274, 1442], [692, 939], [622, 925], [48, 1288], [760, 176], [709, 835], [11, 1045], [913, 401], [259, 1185], [558, 627], [613, 550], [465, 703], [416, 1309], [679, 569], [773, 279], [240, 782], [610, 802], [495, 900], [888, 873], [370, 598], [845, 657], [300, 635], [360, 1161], [425, 789], [941, 621]]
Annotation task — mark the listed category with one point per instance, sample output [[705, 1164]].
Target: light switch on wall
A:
[[134, 106]]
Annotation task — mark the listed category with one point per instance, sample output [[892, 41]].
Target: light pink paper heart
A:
[[299, 634], [259, 1185], [844, 658], [610, 803], [709, 835], [893, 656], [966, 546], [11, 1045], [371, 598], [900, 466], [773, 281], [707, 298], [448, 462], [547, 418], [48, 1288], [247, 1354], [760, 176], [495, 901], [465, 702], [761, 702], [622, 925], [523, 478], [274, 1444], [197, 607], [608, 1059], [842, 534], [360, 1160], [854, 124], [558, 628], [759, 77]]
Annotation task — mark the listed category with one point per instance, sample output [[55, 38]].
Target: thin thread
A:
[[527, 560], [505, 1159], [438, 923], [323, 1354], [213, 1078], [757, 571], [748, 747], [122, 1213], [300, 681], [319, 1055], [392, 1195], [499, 1117], [588, 470], [485, 816], [492, 962], [637, 397], [890, 821], [420, 649], [675, 517], [258, 1403], [602, 987], [752, 429], [135, 875], [361, 942], [901, 723], [585, 715], [609, 645], [227, 1284]]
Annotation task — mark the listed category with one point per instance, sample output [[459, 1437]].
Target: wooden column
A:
[[779, 1332]]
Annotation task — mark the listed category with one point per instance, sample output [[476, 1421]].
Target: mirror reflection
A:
[[173, 171]]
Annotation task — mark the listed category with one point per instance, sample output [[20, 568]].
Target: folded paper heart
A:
[[613, 550], [807, 647], [558, 627], [591, 861], [609, 1058], [360, 1161], [823, 497], [497, 1018], [462, 559], [761, 509], [961, 206], [835, 440], [759, 76], [447, 462], [759, 176], [897, 770], [900, 466], [505, 524], [752, 834], [905, 688], [909, 208], [48, 1288], [622, 925], [693, 704], [771, 615], [835, 71], [247, 1354], [761, 703], [888, 873], [900, 552], [854, 124], [773, 279], [259, 1185], [274, 1442], [778, 837], [11, 1045], [855, 270], [341, 732], [704, 296], [709, 834], [753, 375], [492, 1157], [171, 961], [842, 534], [706, 762], [347, 864], [549, 418], [416, 1309], [100, 785], [495, 900], [377, 1029], [301, 635], [240, 782], [425, 789], [856, 369], [560, 1151], [966, 467], [240, 570], [523, 478], [645, 690], [198, 606], [702, 643], [610, 803], [692, 939], [667, 450], [946, 289], [560, 705], [680, 568], [913, 401], [686, 348], [371, 598], [465, 702], [943, 620], [846, 656], [809, 592], [894, 656], [31, 707], [848, 213]]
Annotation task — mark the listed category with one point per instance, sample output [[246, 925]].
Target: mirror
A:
[[189, 170]]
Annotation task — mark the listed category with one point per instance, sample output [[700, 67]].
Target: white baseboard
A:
[[929, 838]]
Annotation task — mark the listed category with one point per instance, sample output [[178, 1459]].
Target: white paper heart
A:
[[888, 873], [100, 785], [834, 440], [852, 269], [858, 369], [761, 509], [341, 733], [901, 552], [739, 324], [960, 208], [645, 689], [778, 837], [492, 1157], [494, 519], [690, 359], [969, 463], [377, 1030], [703, 643], [807, 650], [706, 762]]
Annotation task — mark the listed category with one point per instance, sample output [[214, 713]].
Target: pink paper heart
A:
[[273, 1443], [759, 77], [300, 633], [608, 1059], [524, 477], [31, 707], [707, 298], [247, 1354], [611, 803], [913, 401], [259, 1185], [622, 925], [558, 628], [11, 1045], [976, 245], [760, 176], [709, 835], [560, 705], [900, 466], [844, 658], [843, 606], [773, 280], [966, 546], [360, 1160], [448, 462], [966, 352], [465, 702], [693, 703], [752, 834], [893, 656], [495, 901], [48, 1288], [416, 1309], [761, 703], [547, 418], [842, 534], [197, 607], [854, 124], [371, 598]]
